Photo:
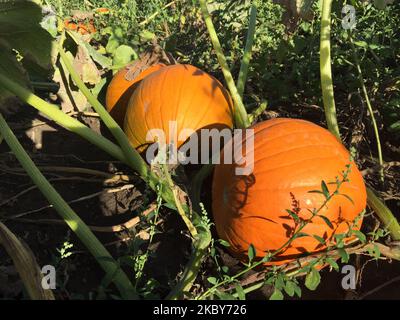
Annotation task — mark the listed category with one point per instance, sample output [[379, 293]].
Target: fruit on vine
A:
[[177, 99], [122, 86], [267, 207]]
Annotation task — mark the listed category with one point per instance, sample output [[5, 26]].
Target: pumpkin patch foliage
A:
[[288, 109]]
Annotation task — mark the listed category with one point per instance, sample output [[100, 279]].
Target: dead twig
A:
[[80, 199], [115, 228]]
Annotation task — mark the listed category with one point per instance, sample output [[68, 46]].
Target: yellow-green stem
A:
[[383, 212], [326, 69], [244, 67], [69, 123], [94, 246], [240, 112], [385, 215], [167, 190]]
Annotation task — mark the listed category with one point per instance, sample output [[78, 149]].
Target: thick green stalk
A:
[[201, 244], [244, 67], [167, 188], [385, 215], [383, 212], [132, 156], [241, 117], [54, 113], [326, 69], [103, 257]]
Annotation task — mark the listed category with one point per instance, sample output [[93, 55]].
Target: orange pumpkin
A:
[[121, 88], [291, 158], [181, 93]]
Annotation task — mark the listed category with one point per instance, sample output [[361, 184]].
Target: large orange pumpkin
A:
[[178, 93], [121, 88], [291, 158]]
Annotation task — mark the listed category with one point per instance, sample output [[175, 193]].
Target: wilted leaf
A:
[[26, 265], [85, 67], [71, 100]]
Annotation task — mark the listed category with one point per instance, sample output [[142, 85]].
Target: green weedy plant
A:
[[19, 86], [384, 214]]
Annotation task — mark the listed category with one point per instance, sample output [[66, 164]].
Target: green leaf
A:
[[12, 68], [224, 243], [319, 239], [224, 295], [147, 35], [332, 263], [313, 279], [212, 280], [325, 189], [300, 235], [326, 220], [293, 215], [343, 255], [361, 44], [290, 288], [240, 291], [123, 55], [297, 290], [49, 21], [361, 236], [276, 295], [375, 252], [20, 27], [251, 253], [279, 282]]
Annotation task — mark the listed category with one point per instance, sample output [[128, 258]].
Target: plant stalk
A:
[[240, 112], [383, 212], [326, 69], [244, 67], [94, 246]]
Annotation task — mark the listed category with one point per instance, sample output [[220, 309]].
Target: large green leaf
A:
[[12, 68], [20, 27]]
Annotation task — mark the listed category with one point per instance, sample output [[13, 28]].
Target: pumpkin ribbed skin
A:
[[120, 90], [181, 93], [291, 158]]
